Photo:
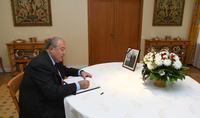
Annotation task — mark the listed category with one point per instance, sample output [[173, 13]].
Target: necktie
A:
[[59, 73]]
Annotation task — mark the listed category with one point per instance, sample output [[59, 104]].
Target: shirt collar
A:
[[52, 59]]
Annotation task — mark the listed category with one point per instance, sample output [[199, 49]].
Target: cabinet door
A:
[[101, 27], [127, 27]]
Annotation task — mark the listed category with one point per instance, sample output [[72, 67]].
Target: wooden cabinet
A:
[[171, 45], [28, 50]]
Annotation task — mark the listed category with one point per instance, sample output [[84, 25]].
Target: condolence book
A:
[[92, 86]]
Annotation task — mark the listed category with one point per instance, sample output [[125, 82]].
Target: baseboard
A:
[[6, 70], [77, 66]]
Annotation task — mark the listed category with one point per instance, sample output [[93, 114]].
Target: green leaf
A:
[[165, 83], [184, 68], [152, 76], [141, 62], [154, 65], [171, 80]]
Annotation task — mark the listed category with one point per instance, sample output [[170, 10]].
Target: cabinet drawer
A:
[[27, 47], [184, 43], [161, 43], [170, 43]]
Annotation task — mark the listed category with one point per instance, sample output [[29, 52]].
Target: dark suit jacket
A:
[[132, 60], [41, 93]]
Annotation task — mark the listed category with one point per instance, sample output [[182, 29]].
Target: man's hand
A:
[[84, 84], [85, 74]]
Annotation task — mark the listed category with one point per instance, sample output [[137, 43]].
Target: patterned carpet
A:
[[7, 107]]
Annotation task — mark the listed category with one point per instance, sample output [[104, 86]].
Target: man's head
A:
[[56, 48], [133, 53]]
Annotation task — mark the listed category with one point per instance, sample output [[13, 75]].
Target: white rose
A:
[[167, 62], [149, 66], [176, 58], [151, 59], [158, 62], [158, 56], [162, 73], [177, 64]]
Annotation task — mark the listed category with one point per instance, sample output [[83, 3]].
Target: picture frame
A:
[[168, 13], [31, 12], [131, 59]]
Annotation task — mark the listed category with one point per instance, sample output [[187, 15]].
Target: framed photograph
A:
[[168, 12], [31, 12], [131, 58]]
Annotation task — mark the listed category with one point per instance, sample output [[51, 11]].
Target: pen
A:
[[102, 93]]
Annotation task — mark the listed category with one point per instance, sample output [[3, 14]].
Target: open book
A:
[[92, 86]]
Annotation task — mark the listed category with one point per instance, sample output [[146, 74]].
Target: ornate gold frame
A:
[[168, 12], [31, 12]]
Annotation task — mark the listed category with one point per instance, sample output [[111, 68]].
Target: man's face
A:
[[58, 52]]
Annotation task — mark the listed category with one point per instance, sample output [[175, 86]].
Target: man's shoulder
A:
[[42, 58]]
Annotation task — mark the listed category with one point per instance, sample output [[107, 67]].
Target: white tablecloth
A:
[[127, 96]]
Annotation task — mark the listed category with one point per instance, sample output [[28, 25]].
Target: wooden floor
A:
[[5, 77], [193, 72]]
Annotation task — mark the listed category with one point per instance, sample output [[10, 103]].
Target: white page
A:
[[92, 86]]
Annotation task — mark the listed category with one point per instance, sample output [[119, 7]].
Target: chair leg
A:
[[2, 66]]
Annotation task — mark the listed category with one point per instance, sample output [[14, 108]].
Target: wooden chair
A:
[[13, 86], [2, 64]]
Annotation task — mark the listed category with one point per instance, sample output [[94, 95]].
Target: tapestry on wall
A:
[[31, 12], [168, 12]]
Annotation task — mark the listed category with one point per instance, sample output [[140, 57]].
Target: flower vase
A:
[[159, 84]]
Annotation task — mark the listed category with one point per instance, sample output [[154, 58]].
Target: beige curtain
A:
[[194, 32], [196, 62]]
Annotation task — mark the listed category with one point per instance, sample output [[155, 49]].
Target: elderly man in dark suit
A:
[[42, 89], [132, 60]]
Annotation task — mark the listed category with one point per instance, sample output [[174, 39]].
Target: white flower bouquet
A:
[[163, 66]]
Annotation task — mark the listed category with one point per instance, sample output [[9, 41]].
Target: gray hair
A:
[[52, 42]]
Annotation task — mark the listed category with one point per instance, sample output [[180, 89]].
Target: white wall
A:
[[70, 22], [149, 31]]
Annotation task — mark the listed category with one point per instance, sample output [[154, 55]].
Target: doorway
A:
[[114, 26]]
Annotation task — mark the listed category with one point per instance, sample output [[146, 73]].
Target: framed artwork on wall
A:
[[131, 58], [31, 12], [168, 12]]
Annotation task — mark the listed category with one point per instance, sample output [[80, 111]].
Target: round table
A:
[[124, 94]]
